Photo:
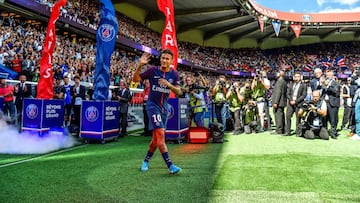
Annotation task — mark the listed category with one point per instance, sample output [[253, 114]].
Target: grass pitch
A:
[[245, 168]]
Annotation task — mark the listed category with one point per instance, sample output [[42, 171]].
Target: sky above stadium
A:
[[312, 6]]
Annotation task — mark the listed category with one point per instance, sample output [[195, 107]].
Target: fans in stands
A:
[[19, 39]]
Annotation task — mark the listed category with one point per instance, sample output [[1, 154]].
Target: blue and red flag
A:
[[308, 67], [105, 44], [340, 61], [326, 62], [45, 86]]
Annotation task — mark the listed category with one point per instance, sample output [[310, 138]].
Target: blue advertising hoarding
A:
[[42, 114], [99, 120], [53, 113], [2, 103], [177, 124]]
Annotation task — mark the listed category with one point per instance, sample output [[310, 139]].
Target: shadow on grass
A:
[[330, 178]]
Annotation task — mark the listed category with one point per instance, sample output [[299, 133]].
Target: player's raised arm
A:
[[144, 59]]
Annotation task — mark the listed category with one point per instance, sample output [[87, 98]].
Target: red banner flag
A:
[[261, 23], [45, 85], [168, 39], [297, 29]]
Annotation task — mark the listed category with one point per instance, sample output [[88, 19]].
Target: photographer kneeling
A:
[[313, 115]]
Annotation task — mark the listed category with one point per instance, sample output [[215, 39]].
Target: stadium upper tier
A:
[[235, 23], [215, 59], [224, 24]]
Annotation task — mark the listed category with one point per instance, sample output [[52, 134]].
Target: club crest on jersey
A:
[[92, 113], [106, 32], [32, 111], [170, 112]]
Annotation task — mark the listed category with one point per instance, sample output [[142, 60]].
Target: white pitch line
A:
[[42, 156]]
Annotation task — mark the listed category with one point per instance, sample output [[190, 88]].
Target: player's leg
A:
[[153, 143]]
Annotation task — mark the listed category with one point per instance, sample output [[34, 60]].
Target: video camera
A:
[[197, 87]]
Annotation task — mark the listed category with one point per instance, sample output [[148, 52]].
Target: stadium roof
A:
[[234, 23]]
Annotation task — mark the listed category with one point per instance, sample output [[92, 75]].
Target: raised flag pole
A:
[[100, 117], [177, 125], [45, 85], [168, 39], [42, 114]]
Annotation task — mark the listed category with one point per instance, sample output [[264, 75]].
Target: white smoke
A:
[[13, 142]]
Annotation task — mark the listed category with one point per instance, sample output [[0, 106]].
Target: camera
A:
[[307, 104], [222, 83], [197, 87]]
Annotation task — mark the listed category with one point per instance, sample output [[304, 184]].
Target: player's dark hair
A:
[[167, 51]]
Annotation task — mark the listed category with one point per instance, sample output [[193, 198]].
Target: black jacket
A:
[[279, 93]]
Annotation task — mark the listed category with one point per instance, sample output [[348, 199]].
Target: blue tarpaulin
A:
[[9, 73]]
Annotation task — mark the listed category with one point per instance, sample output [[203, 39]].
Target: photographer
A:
[[260, 86], [249, 118], [233, 96], [219, 92], [195, 95], [314, 116]]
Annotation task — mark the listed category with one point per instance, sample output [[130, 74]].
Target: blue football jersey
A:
[[159, 94]]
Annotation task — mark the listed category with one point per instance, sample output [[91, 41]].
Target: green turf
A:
[[245, 168], [7, 158]]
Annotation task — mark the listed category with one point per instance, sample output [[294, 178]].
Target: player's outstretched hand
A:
[[145, 58]]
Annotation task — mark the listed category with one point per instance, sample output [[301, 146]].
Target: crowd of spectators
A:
[[226, 59], [21, 43]]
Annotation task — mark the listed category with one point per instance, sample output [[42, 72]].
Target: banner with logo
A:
[[261, 23], [168, 40], [99, 119], [42, 114], [177, 124], [53, 113], [276, 25], [105, 44], [32, 112], [297, 29], [45, 86]]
